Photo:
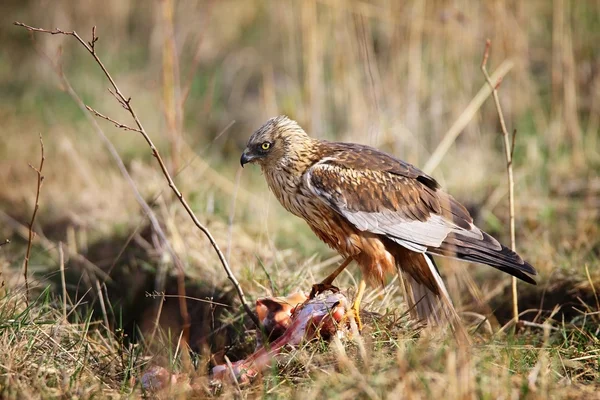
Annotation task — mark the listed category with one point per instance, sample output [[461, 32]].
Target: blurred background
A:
[[203, 75]]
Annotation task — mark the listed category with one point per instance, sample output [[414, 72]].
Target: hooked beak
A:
[[246, 158]]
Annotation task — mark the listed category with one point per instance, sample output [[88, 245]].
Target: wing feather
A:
[[377, 193], [387, 204]]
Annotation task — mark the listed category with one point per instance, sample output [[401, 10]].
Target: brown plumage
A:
[[384, 213]]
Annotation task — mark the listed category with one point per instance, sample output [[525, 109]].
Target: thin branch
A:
[[126, 103], [40, 180], [143, 204], [7, 241], [508, 151], [109, 119], [163, 296]]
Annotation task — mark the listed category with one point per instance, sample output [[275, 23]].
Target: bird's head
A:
[[275, 143]]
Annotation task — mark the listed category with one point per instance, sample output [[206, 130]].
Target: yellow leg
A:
[[329, 280], [362, 286], [326, 284]]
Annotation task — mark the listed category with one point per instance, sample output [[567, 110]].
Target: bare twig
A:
[[163, 296], [117, 124], [126, 103], [508, 151], [7, 241], [40, 180], [186, 323]]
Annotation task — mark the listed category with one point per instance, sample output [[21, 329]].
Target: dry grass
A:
[[393, 74]]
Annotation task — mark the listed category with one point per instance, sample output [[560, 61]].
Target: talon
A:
[[354, 313], [320, 288]]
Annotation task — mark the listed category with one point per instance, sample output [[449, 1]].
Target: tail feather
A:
[[486, 251], [436, 309]]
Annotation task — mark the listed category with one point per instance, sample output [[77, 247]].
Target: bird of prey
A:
[[377, 210]]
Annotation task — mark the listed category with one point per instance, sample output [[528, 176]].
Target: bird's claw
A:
[[320, 288], [353, 312]]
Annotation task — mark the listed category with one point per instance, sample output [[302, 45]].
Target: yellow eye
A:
[[265, 145]]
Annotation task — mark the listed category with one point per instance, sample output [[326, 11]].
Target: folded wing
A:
[[380, 194]]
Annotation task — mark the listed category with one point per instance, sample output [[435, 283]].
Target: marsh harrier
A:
[[377, 210]]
